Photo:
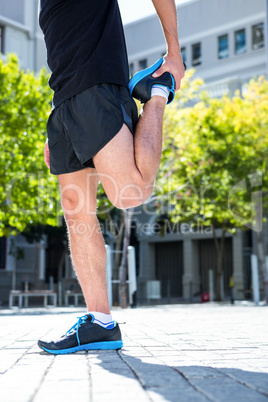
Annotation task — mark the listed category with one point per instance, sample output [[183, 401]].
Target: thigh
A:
[[79, 192], [115, 164]]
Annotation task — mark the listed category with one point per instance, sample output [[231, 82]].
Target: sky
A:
[[132, 10]]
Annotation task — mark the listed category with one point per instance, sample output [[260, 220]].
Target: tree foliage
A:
[[27, 190], [214, 161], [215, 156]]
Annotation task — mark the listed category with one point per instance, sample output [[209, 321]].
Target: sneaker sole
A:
[[172, 91], [141, 74], [109, 345]]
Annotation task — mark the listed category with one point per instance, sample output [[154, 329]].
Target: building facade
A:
[[21, 34], [224, 41]]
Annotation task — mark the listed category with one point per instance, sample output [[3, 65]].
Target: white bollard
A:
[[266, 261], [211, 284], [255, 279], [109, 274], [51, 283], [60, 293], [222, 285], [132, 281], [42, 260]]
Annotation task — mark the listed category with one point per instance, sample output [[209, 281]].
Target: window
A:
[[143, 64], [196, 54], [258, 36], [183, 53], [223, 47], [2, 41], [2, 252], [240, 41]]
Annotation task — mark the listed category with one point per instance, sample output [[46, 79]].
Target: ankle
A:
[[101, 309], [102, 319], [157, 100], [160, 90]]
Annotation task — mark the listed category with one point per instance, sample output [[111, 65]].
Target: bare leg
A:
[[128, 163], [148, 138], [78, 193], [127, 167]]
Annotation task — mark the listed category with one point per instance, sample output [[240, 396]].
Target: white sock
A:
[[102, 319], [160, 90]]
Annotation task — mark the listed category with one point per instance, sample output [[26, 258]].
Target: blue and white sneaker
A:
[[85, 335], [140, 85]]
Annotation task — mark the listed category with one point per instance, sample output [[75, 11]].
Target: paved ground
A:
[[176, 353]]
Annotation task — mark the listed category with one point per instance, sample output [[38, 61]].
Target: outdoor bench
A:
[[74, 294], [30, 293]]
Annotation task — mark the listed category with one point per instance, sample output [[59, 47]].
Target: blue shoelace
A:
[[75, 327]]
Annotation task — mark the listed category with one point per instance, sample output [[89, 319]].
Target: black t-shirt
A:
[[85, 45]]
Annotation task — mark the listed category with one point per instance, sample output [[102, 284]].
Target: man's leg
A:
[[132, 165], [96, 329], [127, 167], [78, 195], [79, 189]]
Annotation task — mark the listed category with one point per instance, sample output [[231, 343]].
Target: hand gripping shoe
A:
[[85, 335], [141, 83]]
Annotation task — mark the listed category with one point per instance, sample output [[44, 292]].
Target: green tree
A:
[[29, 197], [214, 162], [28, 193]]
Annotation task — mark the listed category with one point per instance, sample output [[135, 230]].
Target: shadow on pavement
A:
[[175, 382], [188, 383]]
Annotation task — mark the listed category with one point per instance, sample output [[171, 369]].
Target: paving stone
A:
[[220, 354], [227, 390], [254, 380], [175, 395]]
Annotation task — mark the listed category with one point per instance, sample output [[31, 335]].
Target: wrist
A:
[[173, 50]]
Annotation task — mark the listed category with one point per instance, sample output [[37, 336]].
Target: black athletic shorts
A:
[[81, 126]]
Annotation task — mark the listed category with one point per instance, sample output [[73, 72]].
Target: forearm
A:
[[173, 63], [166, 11]]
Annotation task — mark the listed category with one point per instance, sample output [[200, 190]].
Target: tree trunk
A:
[[118, 243], [218, 279], [219, 244], [262, 263], [62, 262], [118, 239], [123, 266], [60, 272]]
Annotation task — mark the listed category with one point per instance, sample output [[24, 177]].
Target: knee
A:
[[132, 195], [71, 203], [75, 204]]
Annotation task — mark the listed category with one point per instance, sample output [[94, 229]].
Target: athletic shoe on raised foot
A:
[[85, 335], [140, 85]]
